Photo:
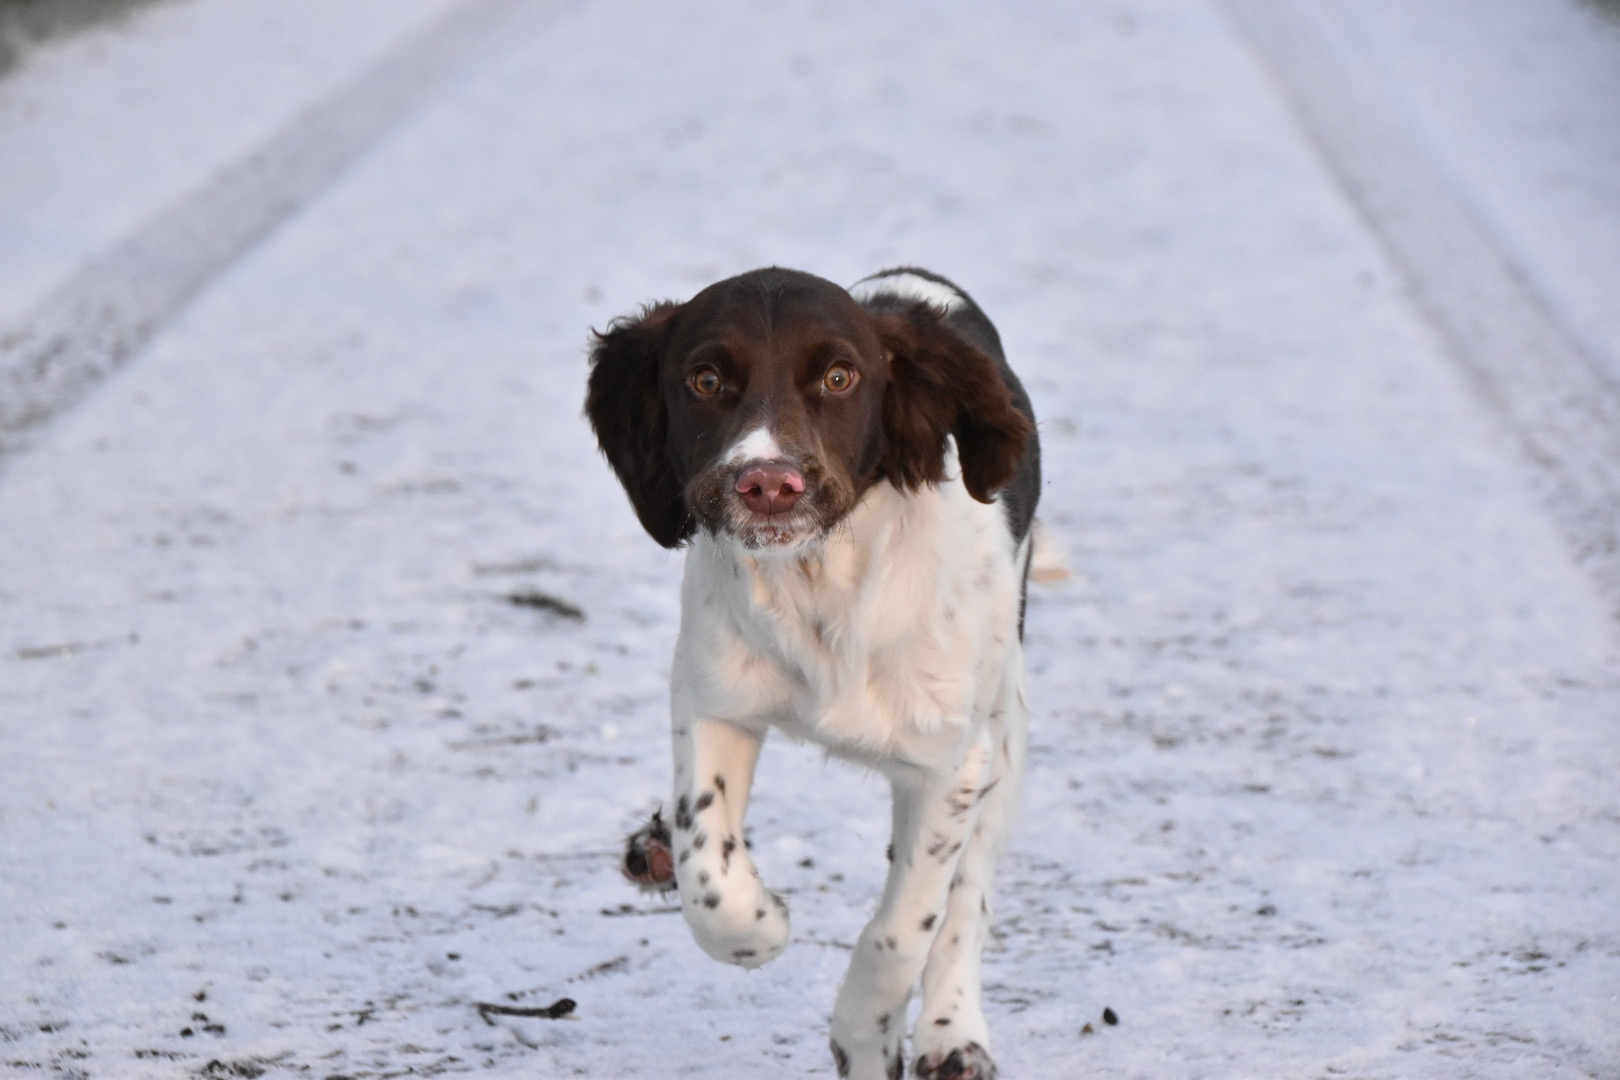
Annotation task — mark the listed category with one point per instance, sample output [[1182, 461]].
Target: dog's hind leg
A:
[[935, 814], [649, 856], [951, 1038]]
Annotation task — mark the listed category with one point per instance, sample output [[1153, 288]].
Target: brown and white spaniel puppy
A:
[[854, 474]]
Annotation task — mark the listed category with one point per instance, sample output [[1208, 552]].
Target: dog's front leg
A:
[[934, 815], [732, 915]]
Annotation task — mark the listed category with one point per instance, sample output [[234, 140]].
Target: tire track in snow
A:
[[1551, 395], [106, 311]]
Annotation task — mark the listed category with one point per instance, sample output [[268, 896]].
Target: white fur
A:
[[758, 445], [914, 286], [894, 642]]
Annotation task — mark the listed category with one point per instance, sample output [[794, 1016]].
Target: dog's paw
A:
[[745, 926], [892, 1058], [969, 1062], [649, 857]]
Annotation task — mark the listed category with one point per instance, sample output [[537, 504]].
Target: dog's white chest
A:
[[883, 645]]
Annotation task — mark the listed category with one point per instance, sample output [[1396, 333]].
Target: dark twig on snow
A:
[[555, 1011], [534, 598]]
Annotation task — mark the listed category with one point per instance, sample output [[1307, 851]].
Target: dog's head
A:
[[765, 406]]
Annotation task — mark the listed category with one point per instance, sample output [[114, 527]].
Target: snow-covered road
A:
[[332, 660]]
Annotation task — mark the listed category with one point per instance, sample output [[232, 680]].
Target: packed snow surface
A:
[[334, 660]]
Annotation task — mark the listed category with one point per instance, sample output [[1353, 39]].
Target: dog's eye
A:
[[705, 381], [839, 377]]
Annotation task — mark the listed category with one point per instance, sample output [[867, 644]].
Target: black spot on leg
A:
[[705, 801], [840, 1060], [687, 854], [944, 849], [897, 1068], [698, 840], [890, 853], [943, 1021], [743, 954], [759, 913], [928, 923], [683, 813], [711, 900], [883, 1024], [988, 788], [893, 944], [703, 877], [720, 783]]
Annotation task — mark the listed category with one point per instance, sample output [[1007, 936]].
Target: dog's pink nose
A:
[[770, 487]]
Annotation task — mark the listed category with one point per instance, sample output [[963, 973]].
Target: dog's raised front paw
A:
[[746, 925], [649, 858], [970, 1062]]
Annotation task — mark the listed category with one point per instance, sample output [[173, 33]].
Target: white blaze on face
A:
[[757, 445]]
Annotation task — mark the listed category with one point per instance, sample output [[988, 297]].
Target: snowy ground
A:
[[1326, 733]]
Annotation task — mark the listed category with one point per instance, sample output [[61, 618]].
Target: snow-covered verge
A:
[[1519, 100], [104, 129], [27, 24], [297, 765]]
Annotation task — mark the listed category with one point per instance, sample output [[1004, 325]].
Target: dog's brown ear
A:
[[625, 403], [939, 385]]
